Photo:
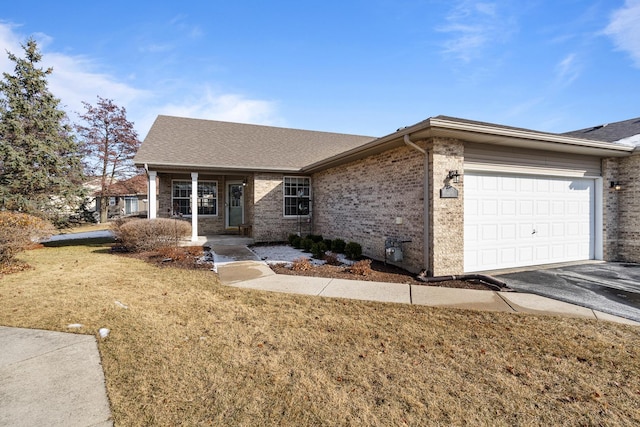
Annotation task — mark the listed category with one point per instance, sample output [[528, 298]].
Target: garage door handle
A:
[[533, 232]]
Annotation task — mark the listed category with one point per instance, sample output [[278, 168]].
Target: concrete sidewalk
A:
[[51, 379], [252, 274]]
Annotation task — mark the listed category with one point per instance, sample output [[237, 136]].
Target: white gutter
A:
[[487, 133], [410, 143], [425, 216]]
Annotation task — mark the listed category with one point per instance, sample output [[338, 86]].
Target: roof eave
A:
[[475, 133], [165, 166], [514, 137]]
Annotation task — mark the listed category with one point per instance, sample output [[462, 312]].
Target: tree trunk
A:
[[104, 209]]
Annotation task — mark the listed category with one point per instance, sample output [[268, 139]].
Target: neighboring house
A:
[[126, 198], [450, 195]]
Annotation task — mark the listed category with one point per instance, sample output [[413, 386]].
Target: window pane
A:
[[297, 194]]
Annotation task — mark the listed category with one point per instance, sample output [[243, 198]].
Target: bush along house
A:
[[446, 195]]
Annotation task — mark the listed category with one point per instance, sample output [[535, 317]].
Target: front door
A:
[[235, 204]]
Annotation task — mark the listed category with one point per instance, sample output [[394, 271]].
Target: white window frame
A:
[[188, 197], [286, 180], [133, 200]]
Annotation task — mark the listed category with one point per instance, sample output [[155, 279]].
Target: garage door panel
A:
[[527, 220]]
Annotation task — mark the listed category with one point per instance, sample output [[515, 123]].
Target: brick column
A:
[[447, 214]]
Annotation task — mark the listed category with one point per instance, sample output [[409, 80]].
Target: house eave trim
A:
[[215, 168], [477, 133], [473, 132]]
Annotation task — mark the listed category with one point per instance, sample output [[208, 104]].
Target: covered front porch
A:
[[215, 204]]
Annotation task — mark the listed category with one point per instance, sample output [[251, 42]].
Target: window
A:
[[207, 198], [297, 196], [130, 205]]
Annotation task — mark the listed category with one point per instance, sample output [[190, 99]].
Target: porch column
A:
[[194, 206], [151, 195]]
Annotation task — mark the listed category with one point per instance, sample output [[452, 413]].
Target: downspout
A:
[[427, 205]]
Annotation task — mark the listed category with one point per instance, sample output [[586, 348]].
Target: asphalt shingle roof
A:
[[611, 132], [214, 144]]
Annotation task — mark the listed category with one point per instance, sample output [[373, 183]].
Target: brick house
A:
[[452, 195]]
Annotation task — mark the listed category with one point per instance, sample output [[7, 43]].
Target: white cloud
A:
[[76, 79], [215, 106], [624, 29], [568, 69], [473, 26]]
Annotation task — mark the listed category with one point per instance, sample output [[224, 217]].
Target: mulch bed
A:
[[190, 258], [380, 272]]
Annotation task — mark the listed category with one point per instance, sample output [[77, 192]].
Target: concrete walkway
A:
[[51, 379], [242, 269]]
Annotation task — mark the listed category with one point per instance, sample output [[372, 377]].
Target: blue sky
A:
[[363, 67]]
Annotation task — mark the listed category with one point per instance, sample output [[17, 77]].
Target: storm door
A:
[[235, 204]]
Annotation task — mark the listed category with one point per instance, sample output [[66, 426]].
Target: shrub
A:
[[337, 246], [297, 242], [361, 268], [353, 250], [140, 235], [18, 231], [306, 244], [331, 259], [318, 250], [316, 238], [327, 243], [301, 264], [292, 237]]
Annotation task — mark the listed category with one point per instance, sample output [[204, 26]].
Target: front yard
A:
[[187, 350]]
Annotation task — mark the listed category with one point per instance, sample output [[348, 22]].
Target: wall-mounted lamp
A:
[[615, 185], [453, 174], [244, 182]]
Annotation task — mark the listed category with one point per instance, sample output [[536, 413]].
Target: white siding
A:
[[496, 158]]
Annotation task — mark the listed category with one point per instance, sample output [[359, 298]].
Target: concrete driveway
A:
[[610, 287]]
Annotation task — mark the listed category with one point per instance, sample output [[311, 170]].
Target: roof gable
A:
[[183, 142]]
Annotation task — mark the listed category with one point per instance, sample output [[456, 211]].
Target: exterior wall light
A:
[[615, 185], [453, 174], [244, 182]]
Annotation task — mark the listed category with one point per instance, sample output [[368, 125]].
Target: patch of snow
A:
[[631, 141], [86, 235], [121, 305], [74, 326], [284, 254], [104, 332]]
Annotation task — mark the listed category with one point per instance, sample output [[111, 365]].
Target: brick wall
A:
[[629, 209], [610, 217], [269, 223], [447, 215], [371, 199]]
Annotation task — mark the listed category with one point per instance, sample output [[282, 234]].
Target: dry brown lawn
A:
[[190, 351]]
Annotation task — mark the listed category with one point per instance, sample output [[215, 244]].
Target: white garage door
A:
[[520, 220]]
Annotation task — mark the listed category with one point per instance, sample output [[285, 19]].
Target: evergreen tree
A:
[[41, 171]]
